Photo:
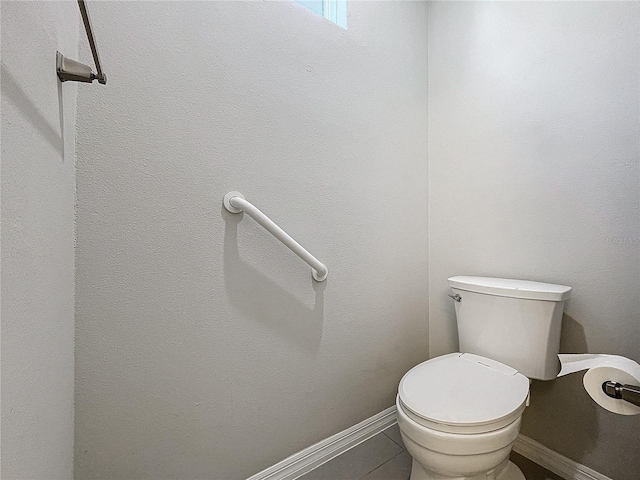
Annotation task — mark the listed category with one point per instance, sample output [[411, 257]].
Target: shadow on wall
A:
[[451, 309], [561, 408], [11, 88], [262, 300]]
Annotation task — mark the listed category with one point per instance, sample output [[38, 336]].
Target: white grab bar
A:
[[235, 202]]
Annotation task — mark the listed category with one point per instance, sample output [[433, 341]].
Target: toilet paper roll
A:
[[604, 368]]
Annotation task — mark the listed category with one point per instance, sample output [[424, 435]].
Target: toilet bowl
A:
[[459, 415]]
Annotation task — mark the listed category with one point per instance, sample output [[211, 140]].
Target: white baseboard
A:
[[312, 457], [553, 461]]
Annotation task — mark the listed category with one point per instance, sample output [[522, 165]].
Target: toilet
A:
[[459, 414]]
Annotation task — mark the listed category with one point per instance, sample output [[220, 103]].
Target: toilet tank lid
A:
[[505, 287]]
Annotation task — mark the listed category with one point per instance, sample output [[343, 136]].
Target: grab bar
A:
[[235, 202], [70, 70]]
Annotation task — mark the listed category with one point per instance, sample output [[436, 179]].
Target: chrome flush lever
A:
[[456, 297]]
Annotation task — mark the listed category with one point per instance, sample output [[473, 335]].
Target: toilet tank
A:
[[516, 322]]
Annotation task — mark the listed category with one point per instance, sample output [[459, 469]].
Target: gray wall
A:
[[204, 349], [533, 151], [38, 133]]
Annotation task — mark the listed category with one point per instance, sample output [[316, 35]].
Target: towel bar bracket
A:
[[70, 70]]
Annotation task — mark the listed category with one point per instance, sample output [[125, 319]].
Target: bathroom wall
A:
[[38, 171], [533, 161], [204, 349]]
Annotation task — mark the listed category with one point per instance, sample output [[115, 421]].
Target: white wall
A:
[[204, 349], [533, 152], [38, 133]]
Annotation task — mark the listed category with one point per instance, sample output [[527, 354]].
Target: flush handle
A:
[[456, 297]]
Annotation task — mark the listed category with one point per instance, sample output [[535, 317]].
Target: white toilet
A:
[[460, 413]]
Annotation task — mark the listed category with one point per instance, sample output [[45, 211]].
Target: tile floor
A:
[[384, 457]]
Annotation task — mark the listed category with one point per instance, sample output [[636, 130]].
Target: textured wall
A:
[[533, 163], [38, 133], [204, 349]]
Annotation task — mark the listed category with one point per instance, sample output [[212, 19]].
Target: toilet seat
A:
[[463, 393]]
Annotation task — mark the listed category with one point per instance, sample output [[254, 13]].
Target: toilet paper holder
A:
[[628, 393]]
